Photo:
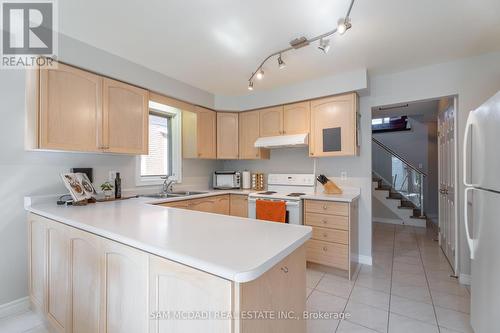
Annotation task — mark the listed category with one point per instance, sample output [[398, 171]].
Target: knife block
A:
[[331, 188]]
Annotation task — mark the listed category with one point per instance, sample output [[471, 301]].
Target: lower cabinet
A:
[[238, 205], [218, 204], [84, 283]]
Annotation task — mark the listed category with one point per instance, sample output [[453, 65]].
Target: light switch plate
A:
[[343, 175]]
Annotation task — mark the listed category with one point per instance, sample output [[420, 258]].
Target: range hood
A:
[[295, 140]]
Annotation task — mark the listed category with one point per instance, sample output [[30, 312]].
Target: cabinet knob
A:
[[325, 235], [324, 221], [325, 248], [312, 154], [325, 207], [284, 269]]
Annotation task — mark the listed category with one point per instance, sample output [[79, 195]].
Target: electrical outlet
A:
[[111, 176], [343, 175]]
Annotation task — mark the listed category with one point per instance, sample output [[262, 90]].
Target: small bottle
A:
[[118, 186]]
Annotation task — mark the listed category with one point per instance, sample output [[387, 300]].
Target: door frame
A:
[[455, 264]]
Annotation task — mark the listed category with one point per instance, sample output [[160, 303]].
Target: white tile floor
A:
[[408, 289]]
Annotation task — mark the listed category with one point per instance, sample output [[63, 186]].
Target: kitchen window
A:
[[164, 158]]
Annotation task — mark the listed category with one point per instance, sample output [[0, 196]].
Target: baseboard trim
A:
[[464, 279], [386, 220], [16, 306], [365, 260]]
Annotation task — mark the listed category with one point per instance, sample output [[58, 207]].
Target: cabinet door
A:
[[203, 205], [124, 301], [227, 135], [296, 118], [249, 132], [334, 126], [221, 205], [175, 287], [85, 281], [271, 121], [125, 118], [281, 289], [238, 205], [70, 109], [58, 303], [37, 260], [206, 133]]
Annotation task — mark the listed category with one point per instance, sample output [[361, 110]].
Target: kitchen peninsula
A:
[[133, 266]]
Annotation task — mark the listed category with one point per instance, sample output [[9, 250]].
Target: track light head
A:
[[324, 45], [343, 25], [281, 63], [260, 74], [250, 85]]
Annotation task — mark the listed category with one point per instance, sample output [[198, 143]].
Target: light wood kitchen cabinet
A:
[[70, 108], [334, 240], [74, 110], [238, 205], [249, 125], [57, 276], [125, 118], [125, 295], [214, 204], [199, 133], [221, 204], [170, 284], [271, 121], [227, 135], [94, 284], [296, 118], [85, 281], [37, 250], [334, 126]]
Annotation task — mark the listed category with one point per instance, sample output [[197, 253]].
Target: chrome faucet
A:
[[168, 183]]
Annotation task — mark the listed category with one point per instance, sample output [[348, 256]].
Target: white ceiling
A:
[[215, 45]]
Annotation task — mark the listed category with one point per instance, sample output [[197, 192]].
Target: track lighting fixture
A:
[[281, 63], [324, 45], [260, 74], [343, 25]]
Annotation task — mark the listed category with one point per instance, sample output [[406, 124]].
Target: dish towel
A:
[[271, 210]]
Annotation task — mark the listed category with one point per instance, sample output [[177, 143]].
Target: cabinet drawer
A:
[[331, 235], [176, 204], [327, 221], [329, 254], [327, 207]]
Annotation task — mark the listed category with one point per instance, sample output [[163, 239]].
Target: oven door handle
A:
[[288, 203]]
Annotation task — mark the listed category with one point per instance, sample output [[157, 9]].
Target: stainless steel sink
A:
[[175, 194], [186, 193]]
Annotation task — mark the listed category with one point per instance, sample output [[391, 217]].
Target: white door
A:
[[447, 180], [484, 230]]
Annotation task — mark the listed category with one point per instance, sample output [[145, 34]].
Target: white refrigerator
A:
[[482, 213]]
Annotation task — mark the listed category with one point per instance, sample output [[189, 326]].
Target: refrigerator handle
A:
[[470, 241], [468, 125]]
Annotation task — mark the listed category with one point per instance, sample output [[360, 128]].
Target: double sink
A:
[[174, 194]]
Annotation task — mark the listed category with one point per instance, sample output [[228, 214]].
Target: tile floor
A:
[[408, 289]]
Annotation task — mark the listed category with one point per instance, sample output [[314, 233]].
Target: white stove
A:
[[288, 188]]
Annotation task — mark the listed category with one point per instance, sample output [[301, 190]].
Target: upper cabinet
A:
[[296, 118], [285, 120], [125, 118], [70, 107], [249, 132], [227, 135], [199, 133], [334, 126], [73, 110], [271, 121]]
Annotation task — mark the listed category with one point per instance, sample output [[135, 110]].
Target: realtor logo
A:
[[27, 32]]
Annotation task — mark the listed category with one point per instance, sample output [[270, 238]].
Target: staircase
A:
[[398, 185], [404, 209]]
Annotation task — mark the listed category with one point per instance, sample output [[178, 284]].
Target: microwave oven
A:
[[224, 180]]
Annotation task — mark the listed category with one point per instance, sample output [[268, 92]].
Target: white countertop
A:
[[349, 194], [237, 249]]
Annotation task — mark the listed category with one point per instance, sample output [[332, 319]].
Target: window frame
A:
[[175, 144]]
